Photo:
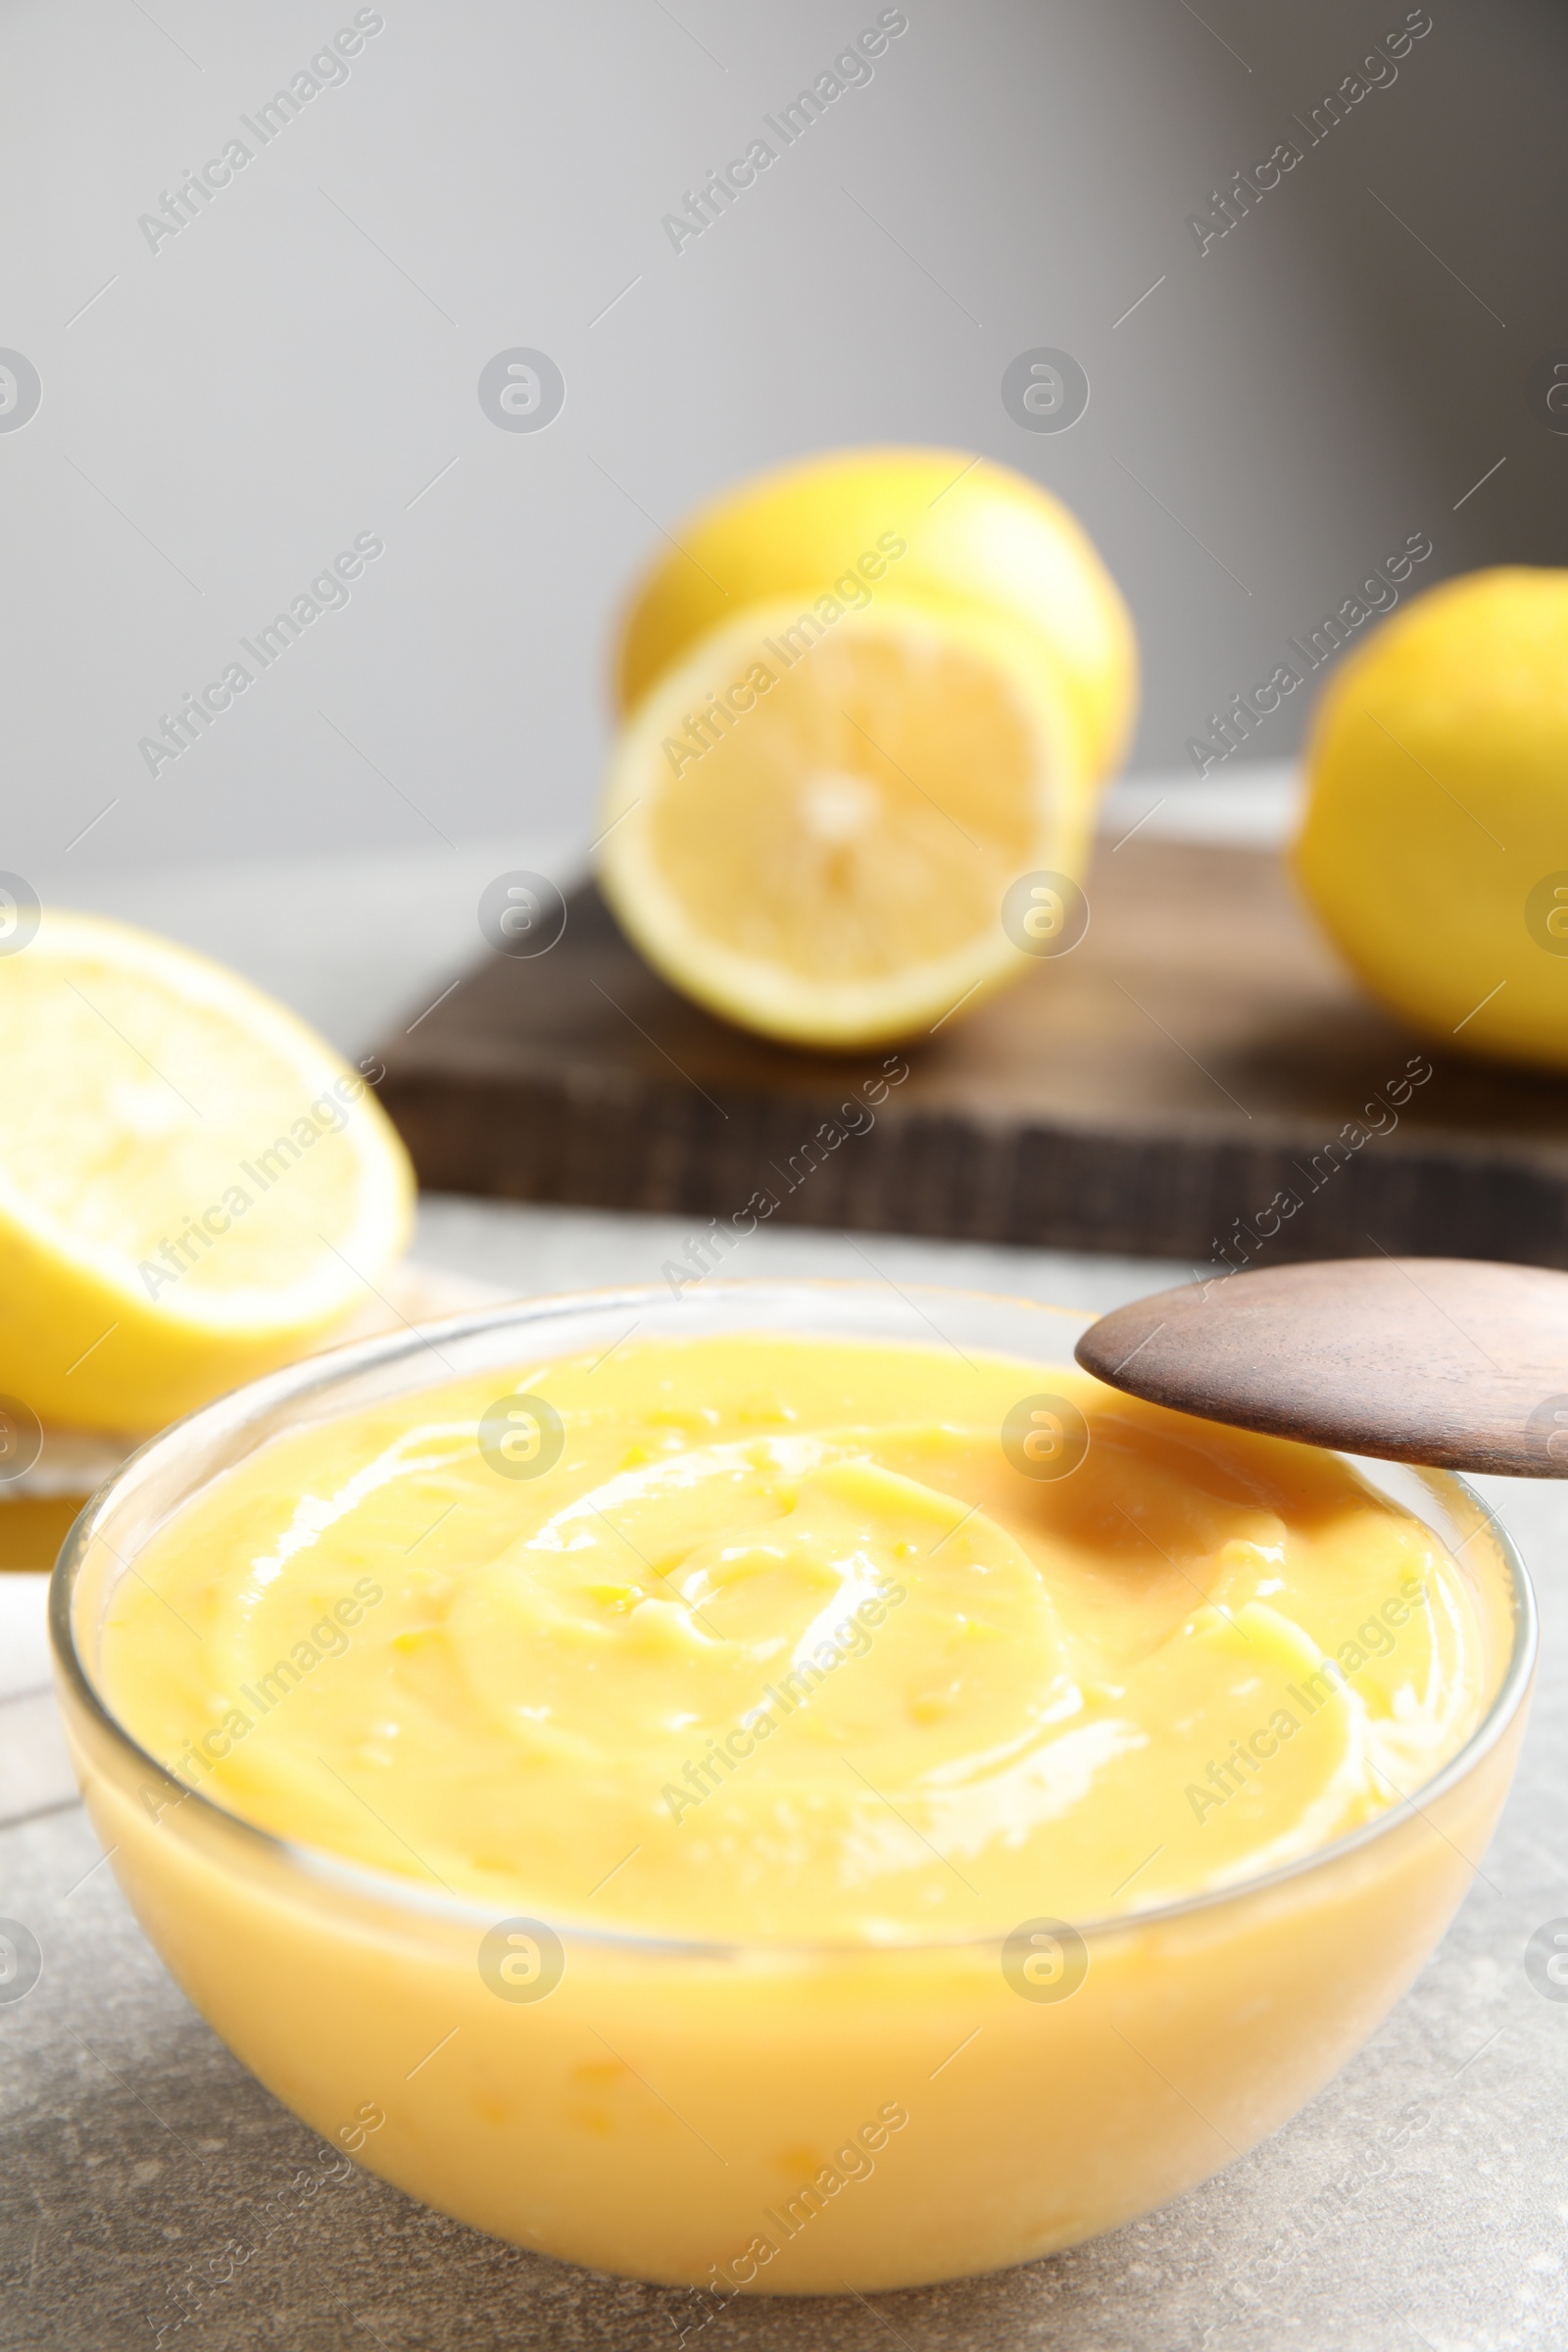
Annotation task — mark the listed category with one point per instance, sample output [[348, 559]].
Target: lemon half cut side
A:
[[811, 829], [193, 1185]]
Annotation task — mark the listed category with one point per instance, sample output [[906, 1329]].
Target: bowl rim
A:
[[314, 1375]]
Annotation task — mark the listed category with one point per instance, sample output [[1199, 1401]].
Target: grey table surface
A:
[[1422, 2199]]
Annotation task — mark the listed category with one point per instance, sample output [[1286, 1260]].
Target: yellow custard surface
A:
[[788, 1645]]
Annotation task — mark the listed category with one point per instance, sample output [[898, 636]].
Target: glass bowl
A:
[[767, 2117]]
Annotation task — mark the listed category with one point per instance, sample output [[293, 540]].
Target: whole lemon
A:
[[1435, 849], [944, 524]]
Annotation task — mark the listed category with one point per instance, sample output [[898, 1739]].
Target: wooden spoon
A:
[[1443, 1360]]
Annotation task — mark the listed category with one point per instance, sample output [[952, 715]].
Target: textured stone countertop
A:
[[136, 2147]]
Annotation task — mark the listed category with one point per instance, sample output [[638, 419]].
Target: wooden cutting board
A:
[[1195, 1065]]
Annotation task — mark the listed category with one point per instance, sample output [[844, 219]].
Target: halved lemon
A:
[[811, 822], [193, 1185], [941, 524]]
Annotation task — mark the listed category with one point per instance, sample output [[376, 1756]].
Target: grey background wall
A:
[[299, 364]]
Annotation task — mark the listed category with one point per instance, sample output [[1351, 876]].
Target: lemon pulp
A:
[[943, 524], [812, 830], [192, 1184]]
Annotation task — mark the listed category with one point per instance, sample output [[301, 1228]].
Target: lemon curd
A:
[[830, 1677], [761, 1809]]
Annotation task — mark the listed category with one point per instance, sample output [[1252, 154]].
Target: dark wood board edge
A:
[[624, 1145]]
